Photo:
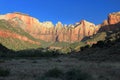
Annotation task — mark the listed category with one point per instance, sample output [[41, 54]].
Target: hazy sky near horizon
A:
[[66, 11]]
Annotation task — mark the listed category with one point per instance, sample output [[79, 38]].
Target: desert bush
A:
[[85, 47], [99, 44], [29, 53], [97, 37], [4, 72], [2, 61], [76, 74], [36, 53], [65, 50], [55, 73], [72, 74], [34, 61]]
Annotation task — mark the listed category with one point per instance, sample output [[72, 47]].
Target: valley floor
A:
[[33, 69]]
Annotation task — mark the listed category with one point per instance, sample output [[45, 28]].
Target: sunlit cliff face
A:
[[62, 33]]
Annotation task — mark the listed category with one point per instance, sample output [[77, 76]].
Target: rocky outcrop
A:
[[48, 32], [62, 33], [114, 18], [112, 23]]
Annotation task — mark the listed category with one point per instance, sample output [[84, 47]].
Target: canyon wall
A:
[[112, 23], [62, 33]]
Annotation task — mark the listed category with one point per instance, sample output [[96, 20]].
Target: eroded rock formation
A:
[[112, 23], [62, 33], [114, 18]]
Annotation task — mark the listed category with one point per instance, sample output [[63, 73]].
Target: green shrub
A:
[[74, 74], [2, 61], [65, 50], [55, 73], [34, 61], [4, 72], [60, 44], [97, 37], [36, 53], [85, 47]]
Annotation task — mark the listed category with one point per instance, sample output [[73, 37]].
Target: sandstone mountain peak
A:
[[115, 13], [47, 31], [20, 13], [59, 25], [114, 18], [48, 24], [112, 23], [86, 22]]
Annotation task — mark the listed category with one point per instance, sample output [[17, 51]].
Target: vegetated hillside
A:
[[109, 28], [6, 25], [106, 29], [103, 50], [64, 47], [19, 32], [15, 38], [107, 46], [94, 58]]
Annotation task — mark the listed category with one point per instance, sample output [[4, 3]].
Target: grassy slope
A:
[[97, 37], [5, 25], [68, 47], [13, 43]]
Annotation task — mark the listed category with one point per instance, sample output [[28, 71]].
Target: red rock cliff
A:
[[114, 18], [112, 23], [48, 32]]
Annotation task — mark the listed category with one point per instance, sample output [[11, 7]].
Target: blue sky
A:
[[66, 11]]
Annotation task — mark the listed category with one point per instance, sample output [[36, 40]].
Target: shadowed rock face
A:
[[48, 32], [112, 23]]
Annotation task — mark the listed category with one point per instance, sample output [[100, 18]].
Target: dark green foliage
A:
[[36, 53], [99, 44], [6, 53], [34, 61], [4, 72], [85, 47], [2, 61], [72, 47], [3, 49], [107, 50], [65, 46], [110, 41], [72, 74], [76, 74], [55, 73]]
